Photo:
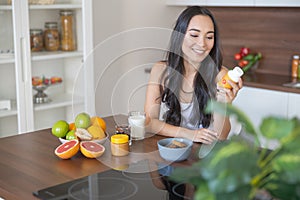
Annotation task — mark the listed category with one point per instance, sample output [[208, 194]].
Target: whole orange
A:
[[98, 121], [72, 126]]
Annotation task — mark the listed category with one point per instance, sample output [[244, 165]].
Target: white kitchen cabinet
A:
[[210, 2], [259, 103], [294, 105], [237, 3], [76, 92], [186, 2], [277, 3]]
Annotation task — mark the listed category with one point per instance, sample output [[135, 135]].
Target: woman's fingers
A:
[[205, 136], [228, 95]]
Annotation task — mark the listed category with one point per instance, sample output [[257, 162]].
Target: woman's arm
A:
[[152, 109], [152, 105], [221, 123]]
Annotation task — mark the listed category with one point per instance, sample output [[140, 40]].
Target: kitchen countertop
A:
[[269, 81]]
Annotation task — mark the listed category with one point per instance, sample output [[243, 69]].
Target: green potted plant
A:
[[236, 169]]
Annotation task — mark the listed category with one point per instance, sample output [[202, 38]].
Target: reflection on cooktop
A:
[[108, 185]]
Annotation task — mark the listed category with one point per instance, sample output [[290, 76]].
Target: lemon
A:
[[96, 132]]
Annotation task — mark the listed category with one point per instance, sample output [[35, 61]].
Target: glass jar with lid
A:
[[67, 30], [36, 40], [119, 144], [51, 36]]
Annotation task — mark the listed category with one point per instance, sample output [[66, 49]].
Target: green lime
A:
[[60, 128], [82, 120], [71, 135]]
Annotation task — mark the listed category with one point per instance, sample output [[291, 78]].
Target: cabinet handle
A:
[[23, 64], [147, 70]]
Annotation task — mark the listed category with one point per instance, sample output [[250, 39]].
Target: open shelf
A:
[[12, 112], [60, 100], [36, 56]]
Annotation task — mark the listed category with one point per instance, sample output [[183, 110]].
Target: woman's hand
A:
[[204, 136], [228, 95]]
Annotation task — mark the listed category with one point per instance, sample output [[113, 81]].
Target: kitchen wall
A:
[[129, 36], [125, 45], [275, 32]]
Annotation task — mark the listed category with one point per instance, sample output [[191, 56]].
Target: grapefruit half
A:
[[91, 149], [67, 149]]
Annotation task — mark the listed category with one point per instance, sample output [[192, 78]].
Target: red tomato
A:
[[244, 51], [237, 56], [243, 63]]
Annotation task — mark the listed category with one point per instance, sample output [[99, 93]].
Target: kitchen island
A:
[[28, 162]]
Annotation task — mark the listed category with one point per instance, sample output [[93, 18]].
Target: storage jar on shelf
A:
[[51, 36], [67, 30], [36, 40]]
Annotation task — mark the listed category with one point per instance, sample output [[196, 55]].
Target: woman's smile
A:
[[199, 39]]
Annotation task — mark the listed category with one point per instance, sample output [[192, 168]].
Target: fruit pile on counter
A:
[[85, 134]]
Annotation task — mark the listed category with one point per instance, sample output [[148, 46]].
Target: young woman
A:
[[180, 87]]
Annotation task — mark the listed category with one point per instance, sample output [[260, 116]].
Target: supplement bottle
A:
[[119, 144], [232, 75], [67, 30], [295, 64], [298, 71], [51, 36]]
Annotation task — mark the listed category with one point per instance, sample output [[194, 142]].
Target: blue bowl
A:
[[174, 154]]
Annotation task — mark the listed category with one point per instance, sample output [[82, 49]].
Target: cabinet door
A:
[[230, 3], [277, 3], [210, 2], [186, 2], [260, 103], [22, 66], [294, 105], [76, 92]]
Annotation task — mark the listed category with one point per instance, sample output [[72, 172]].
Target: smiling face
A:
[[199, 39]]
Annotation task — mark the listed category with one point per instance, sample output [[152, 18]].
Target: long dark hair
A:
[[204, 81]]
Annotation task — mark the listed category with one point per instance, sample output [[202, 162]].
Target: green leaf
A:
[[282, 190], [227, 110], [249, 57], [229, 166], [276, 128], [242, 193], [291, 144], [187, 174], [203, 193], [287, 167]]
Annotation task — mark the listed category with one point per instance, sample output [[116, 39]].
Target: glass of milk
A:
[[136, 120]]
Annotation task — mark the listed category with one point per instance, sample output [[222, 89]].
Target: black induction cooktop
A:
[[117, 185]]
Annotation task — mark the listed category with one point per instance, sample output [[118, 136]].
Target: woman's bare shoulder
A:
[[159, 67], [157, 71]]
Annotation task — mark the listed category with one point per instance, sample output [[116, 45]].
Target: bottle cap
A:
[[296, 56], [119, 138], [235, 74]]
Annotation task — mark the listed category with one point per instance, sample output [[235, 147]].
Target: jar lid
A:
[[119, 138], [66, 12], [36, 31], [51, 25]]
